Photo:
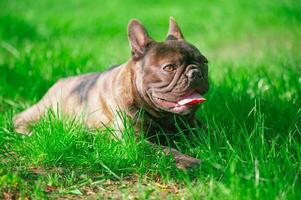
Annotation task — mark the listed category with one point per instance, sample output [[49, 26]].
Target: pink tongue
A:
[[192, 99]]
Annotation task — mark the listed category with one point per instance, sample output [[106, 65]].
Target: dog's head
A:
[[167, 73]]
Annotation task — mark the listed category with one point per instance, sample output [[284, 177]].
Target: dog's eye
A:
[[169, 68]]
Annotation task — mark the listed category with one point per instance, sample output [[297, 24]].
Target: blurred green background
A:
[[253, 48], [41, 41]]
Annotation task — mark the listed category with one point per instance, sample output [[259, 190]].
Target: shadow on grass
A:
[[31, 74], [16, 28]]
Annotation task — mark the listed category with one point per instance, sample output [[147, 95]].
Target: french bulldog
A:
[[166, 79]]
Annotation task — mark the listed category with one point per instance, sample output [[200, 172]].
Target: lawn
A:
[[252, 149]]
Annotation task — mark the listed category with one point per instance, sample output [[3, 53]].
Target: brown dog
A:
[[165, 79]]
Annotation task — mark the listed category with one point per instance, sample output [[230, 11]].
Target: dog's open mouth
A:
[[187, 100], [191, 99]]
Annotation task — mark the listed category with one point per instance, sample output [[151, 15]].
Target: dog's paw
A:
[[186, 162], [20, 125], [23, 130]]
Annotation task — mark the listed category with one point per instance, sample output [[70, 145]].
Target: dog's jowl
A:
[[166, 79]]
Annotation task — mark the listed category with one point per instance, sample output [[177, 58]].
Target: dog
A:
[[166, 79]]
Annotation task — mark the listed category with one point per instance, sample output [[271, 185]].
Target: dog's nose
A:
[[194, 73]]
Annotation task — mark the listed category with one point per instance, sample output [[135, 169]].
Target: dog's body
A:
[[90, 97], [156, 79]]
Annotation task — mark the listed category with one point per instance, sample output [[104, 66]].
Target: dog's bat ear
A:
[[138, 38], [174, 32]]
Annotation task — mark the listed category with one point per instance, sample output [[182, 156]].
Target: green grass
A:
[[252, 149]]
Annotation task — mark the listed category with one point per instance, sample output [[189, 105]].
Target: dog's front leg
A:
[[181, 160]]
